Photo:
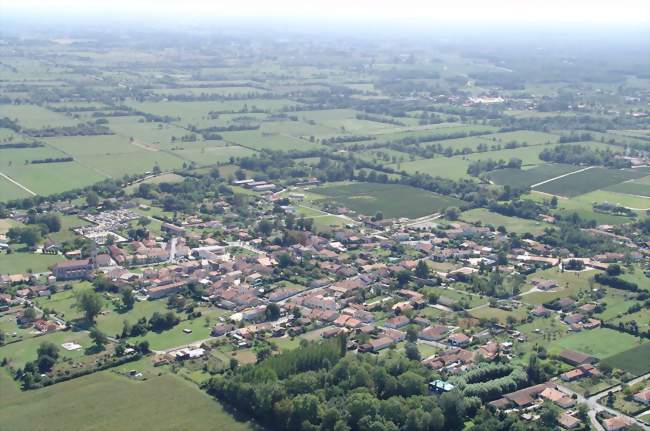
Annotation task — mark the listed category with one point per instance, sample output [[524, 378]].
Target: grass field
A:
[[601, 342], [512, 224], [640, 187], [105, 400], [447, 167], [16, 263], [391, 199], [634, 360], [588, 181]]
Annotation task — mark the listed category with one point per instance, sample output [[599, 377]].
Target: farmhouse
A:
[[643, 397], [459, 339], [576, 358], [433, 333]]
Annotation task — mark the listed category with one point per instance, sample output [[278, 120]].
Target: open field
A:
[[16, 263], [106, 400], [391, 199], [600, 342], [512, 224]]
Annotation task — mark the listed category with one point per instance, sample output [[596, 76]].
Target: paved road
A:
[[595, 406]]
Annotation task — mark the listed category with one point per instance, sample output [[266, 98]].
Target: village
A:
[[389, 285]]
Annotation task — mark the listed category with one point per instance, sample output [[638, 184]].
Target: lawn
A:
[[17, 263], [106, 400], [454, 168], [601, 342], [9, 191], [25, 351], [391, 199]]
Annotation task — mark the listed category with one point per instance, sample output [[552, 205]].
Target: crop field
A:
[[634, 360], [600, 343], [512, 224], [640, 187], [107, 400], [588, 181], [528, 177], [391, 199]]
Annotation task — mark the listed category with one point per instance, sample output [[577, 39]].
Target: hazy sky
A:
[[417, 12]]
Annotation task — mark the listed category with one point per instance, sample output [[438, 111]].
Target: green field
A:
[[512, 224], [17, 263], [588, 181], [392, 200], [600, 343], [528, 177], [105, 400], [634, 360], [640, 187]]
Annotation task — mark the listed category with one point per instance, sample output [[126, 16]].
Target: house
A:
[[616, 423], [433, 333], [541, 311], [567, 421], [557, 397], [222, 329], [576, 358], [459, 339], [440, 386], [72, 269], [381, 343], [643, 397], [397, 322], [584, 370], [163, 290]]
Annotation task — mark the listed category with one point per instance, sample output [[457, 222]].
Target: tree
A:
[[403, 277], [412, 352], [452, 213], [47, 355], [412, 334], [378, 216], [284, 260], [128, 298], [272, 312], [90, 302], [265, 227], [92, 199], [99, 338], [422, 270], [30, 314]]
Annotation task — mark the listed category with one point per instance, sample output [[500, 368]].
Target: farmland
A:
[[588, 181], [393, 200], [166, 402]]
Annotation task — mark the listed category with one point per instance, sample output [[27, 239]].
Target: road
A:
[[595, 407]]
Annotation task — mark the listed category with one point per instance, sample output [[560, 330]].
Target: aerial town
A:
[[207, 231]]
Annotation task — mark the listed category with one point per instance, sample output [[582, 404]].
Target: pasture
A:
[[392, 200]]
